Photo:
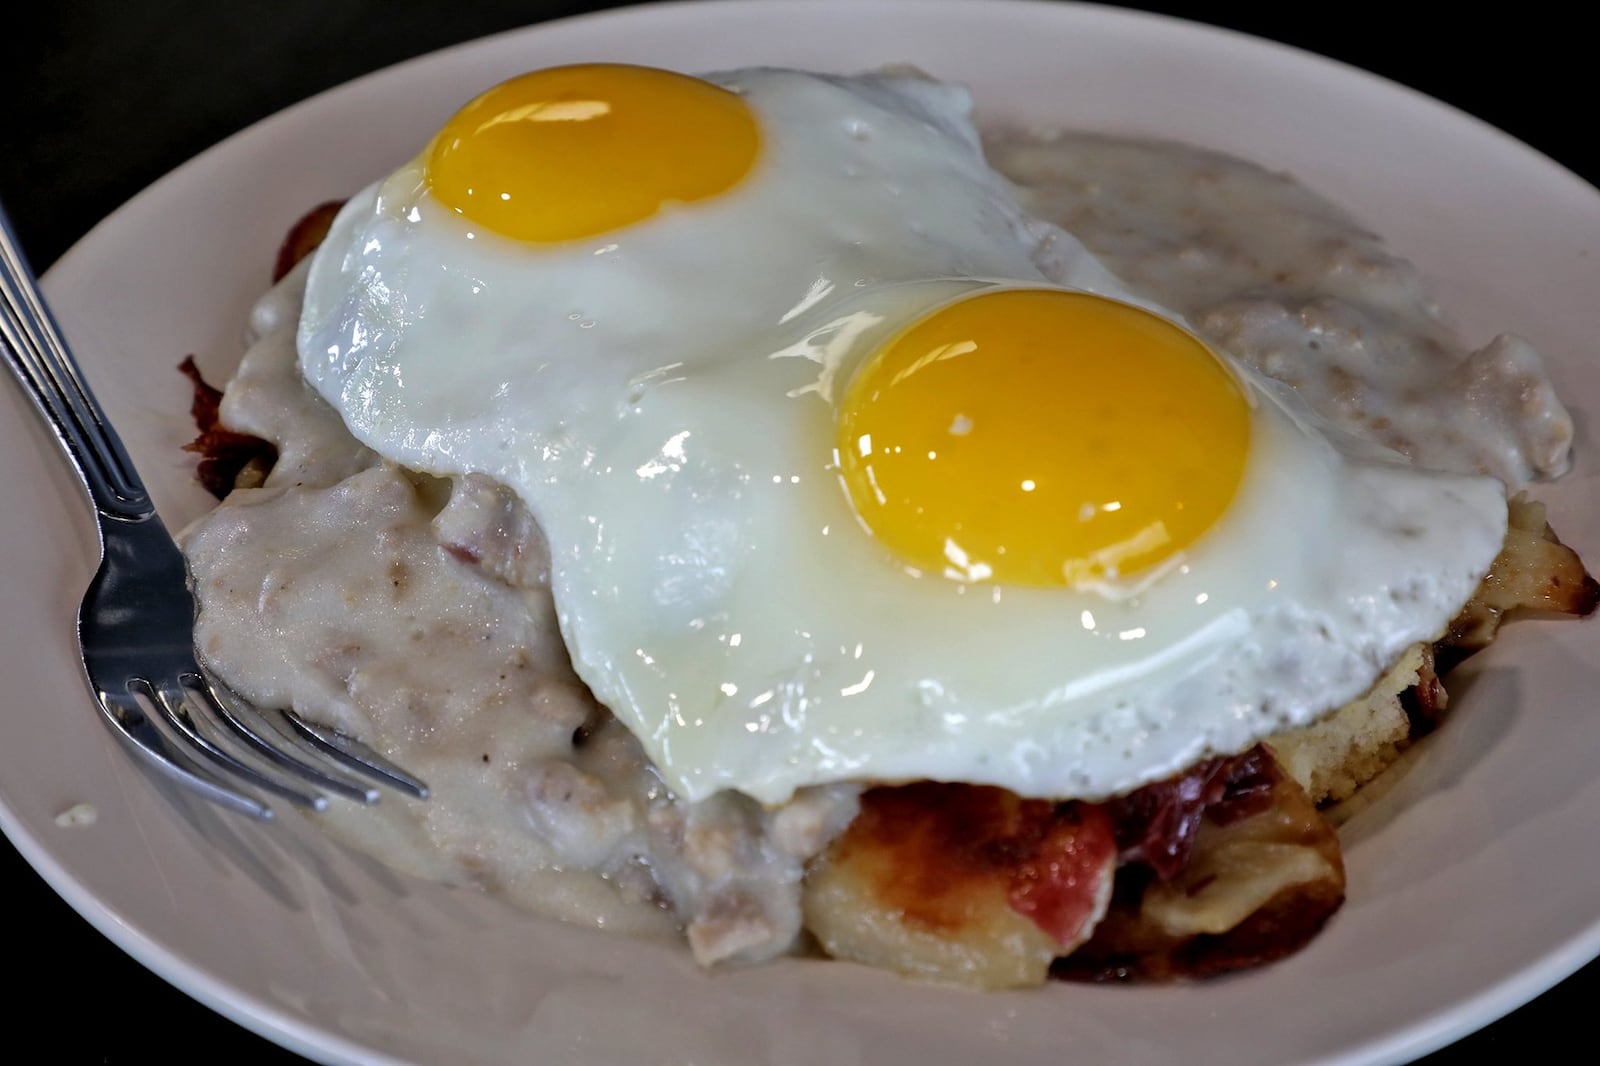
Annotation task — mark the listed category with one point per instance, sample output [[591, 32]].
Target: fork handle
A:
[[41, 360]]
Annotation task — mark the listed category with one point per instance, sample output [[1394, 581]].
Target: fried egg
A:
[[851, 470]]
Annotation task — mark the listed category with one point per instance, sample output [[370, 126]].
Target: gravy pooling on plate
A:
[[326, 590]]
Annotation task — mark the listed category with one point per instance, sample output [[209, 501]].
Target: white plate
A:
[[1471, 879]]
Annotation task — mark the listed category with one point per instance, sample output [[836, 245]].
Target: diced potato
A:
[[1237, 869], [962, 884], [1337, 755], [1254, 890], [1534, 572]]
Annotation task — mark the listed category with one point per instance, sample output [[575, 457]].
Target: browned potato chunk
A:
[[1534, 572], [1254, 890], [962, 883]]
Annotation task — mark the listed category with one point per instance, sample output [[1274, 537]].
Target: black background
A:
[[101, 98]]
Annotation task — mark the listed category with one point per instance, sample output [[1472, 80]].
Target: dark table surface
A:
[[104, 97]]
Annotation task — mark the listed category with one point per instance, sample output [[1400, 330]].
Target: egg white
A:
[[662, 397]]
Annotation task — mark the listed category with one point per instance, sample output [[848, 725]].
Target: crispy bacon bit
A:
[[304, 237], [227, 459], [207, 399], [1156, 824], [1057, 885], [1425, 702]]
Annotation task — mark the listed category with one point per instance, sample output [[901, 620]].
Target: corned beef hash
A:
[[764, 509]]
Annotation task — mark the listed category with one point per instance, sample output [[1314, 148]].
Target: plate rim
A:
[[1435, 1030]]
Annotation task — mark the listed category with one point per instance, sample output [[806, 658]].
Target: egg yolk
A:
[[1041, 437], [572, 152]]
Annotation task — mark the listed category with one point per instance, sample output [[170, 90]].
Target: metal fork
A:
[[136, 623]]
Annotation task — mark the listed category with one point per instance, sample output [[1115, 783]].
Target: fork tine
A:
[[169, 698], [349, 750], [133, 726], [254, 726]]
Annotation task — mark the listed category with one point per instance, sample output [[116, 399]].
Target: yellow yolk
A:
[[571, 152], [1042, 437]]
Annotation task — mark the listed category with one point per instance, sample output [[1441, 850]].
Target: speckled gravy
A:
[[414, 612], [1269, 271]]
